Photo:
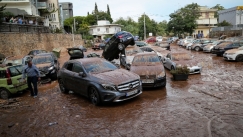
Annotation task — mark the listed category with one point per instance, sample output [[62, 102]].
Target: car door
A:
[[67, 75], [167, 61], [80, 82]]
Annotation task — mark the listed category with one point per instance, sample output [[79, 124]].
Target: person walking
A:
[[33, 75]]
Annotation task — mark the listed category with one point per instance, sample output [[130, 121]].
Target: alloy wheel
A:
[[197, 48], [94, 96]]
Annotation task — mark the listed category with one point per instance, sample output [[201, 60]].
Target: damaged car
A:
[[99, 80], [150, 69], [172, 60], [221, 48], [75, 53], [234, 54], [127, 56], [48, 65], [117, 44]]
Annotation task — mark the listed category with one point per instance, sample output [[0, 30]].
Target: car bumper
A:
[[112, 96], [207, 50], [160, 82], [195, 70], [17, 88], [229, 57]]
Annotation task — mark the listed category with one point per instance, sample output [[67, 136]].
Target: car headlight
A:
[[51, 68], [109, 87], [161, 75]]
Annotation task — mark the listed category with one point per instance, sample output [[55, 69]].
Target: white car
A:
[[172, 60], [234, 54], [210, 46], [159, 39]]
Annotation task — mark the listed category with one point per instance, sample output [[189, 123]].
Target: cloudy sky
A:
[[156, 9]]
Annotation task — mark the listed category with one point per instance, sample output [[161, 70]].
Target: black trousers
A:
[[34, 81]]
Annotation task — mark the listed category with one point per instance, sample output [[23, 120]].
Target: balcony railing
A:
[[14, 1], [41, 5], [23, 28]]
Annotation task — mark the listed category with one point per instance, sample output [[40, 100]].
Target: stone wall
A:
[[22, 43]]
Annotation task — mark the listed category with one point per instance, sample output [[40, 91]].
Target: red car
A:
[[150, 40]]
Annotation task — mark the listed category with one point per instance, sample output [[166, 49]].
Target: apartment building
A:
[[232, 15], [206, 21]]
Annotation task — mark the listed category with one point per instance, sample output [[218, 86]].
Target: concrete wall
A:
[[22, 43]]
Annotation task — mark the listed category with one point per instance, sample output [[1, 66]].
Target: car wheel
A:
[[61, 86], [54, 76], [197, 48], [4, 93], [239, 58], [172, 68], [94, 96], [121, 46]]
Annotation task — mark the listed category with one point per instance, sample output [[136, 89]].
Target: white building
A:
[[104, 28], [232, 15], [42, 10]]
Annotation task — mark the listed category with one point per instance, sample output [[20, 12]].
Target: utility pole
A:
[[36, 12], [144, 26], [209, 28], [74, 25]]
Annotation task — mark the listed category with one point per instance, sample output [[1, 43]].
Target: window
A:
[[107, 30], [16, 70], [69, 66], [98, 29], [2, 74], [207, 15], [77, 68]]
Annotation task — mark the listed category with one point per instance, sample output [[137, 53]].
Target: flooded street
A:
[[209, 104]]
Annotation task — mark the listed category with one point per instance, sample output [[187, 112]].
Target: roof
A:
[[145, 53], [88, 60]]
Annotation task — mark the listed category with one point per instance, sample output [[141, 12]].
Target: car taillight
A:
[[9, 80]]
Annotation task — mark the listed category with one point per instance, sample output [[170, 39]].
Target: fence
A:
[[230, 31], [23, 28]]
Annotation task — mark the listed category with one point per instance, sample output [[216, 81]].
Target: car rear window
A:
[[15, 70]]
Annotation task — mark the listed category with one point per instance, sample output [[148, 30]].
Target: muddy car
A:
[[150, 69], [163, 44], [210, 46], [234, 54], [172, 60], [75, 53], [221, 48], [13, 60], [99, 80], [127, 56], [117, 44], [47, 64], [36, 51]]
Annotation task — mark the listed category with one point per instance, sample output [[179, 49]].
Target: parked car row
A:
[[230, 48]]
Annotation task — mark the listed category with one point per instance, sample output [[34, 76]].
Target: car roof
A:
[[44, 54], [145, 53], [87, 60]]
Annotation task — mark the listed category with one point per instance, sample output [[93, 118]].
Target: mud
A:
[[209, 105]]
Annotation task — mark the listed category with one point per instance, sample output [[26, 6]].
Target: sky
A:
[[158, 10]]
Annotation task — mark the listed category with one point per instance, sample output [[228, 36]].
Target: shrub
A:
[[180, 70]]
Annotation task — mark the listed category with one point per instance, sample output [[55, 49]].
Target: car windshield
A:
[[145, 60], [42, 59], [14, 62], [99, 67], [181, 56]]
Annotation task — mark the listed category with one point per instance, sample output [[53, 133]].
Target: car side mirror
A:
[[82, 74]]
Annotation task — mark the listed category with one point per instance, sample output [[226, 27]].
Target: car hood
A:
[[210, 45], [148, 70], [43, 66], [117, 77], [232, 51]]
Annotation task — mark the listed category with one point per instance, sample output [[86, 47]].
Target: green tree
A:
[[224, 23], [108, 10], [104, 16], [2, 8], [96, 8], [162, 28], [87, 13], [78, 20], [150, 25], [184, 20], [128, 25], [218, 7]]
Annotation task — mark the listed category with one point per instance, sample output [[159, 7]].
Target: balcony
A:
[[41, 5], [207, 21], [15, 1]]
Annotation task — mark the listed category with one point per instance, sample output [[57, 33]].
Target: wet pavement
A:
[[210, 105]]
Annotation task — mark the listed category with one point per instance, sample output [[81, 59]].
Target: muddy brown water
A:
[[207, 104]]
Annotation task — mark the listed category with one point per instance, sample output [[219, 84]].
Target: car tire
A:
[[172, 68], [61, 86], [4, 93], [239, 58], [94, 96], [54, 76], [197, 48]]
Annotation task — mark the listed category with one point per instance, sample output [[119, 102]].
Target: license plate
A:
[[147, 81], [131, 93]]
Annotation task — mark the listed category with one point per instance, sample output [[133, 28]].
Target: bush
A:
[[180, 70]]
